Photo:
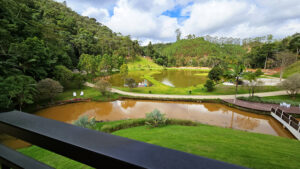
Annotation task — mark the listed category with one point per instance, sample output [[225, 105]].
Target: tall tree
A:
[[178, 34], [294, 44], [21, 89]]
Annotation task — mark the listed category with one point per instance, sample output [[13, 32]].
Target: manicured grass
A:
[[251, 150], [275, 99], [88, 93], [247, 149], [159, 88], [142, 63]]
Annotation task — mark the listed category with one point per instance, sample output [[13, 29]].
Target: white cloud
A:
[[130, 20], [206, 18], [101, 14], [143, 20]]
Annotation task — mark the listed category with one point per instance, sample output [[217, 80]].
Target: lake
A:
[[206, 113]]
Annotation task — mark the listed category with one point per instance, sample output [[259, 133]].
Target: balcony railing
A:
[[94, 148]]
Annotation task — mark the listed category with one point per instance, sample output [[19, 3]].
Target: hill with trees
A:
[[37, 36], [193, 52]]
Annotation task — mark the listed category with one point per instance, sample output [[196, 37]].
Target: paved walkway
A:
[[169, 96]]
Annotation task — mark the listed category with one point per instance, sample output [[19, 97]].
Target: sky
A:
[[157, 20]]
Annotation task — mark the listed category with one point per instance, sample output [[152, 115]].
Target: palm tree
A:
[[235, 72]]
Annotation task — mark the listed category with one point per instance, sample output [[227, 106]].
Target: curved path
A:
[[169, 96]]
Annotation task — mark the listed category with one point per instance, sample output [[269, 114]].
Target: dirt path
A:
[[276, 93]]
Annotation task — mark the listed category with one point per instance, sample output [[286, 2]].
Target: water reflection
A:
[[181, 78], [207, 113]]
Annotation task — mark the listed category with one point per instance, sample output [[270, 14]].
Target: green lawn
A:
[[275, 99], [142, 63], [159, 88], [238, 147], [88, 93]]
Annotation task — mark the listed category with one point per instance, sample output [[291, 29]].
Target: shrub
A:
[[48, 88], [109, 128], [130, 82], [209, 85], [215, 74], [103, 86], [84, 121], [155, 118], [62, 74]]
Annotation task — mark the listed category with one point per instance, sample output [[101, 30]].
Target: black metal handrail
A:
[[98, 149], [10, 158]]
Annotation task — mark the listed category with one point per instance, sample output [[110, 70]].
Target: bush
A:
[[130, 82], [209, 85], [215, 74], [103, 86], [48, 89], [155, 118], [84, 121], [62, 74], [109, 128]]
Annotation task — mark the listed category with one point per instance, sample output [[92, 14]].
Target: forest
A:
[[259, 52], [46, 39]]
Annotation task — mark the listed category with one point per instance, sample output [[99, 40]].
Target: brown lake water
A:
[[206, 113], [181, 78]]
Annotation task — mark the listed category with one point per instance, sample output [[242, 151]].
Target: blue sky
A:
[[157, 20]]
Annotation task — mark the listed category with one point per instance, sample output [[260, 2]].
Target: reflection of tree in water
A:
[[128, 103], [212, 107], [247, 122]]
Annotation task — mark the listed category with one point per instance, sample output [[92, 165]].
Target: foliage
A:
[[197, 52], [253, 83], [235, 72], [84, 121], [76, 82], [103, 86], [18, 89], [294, 43], [155, 119], [215, 74], [48, 89], [31, 57], [209, 85], [112, 127], [292, 84], [62, 73], [36, 35], [130, 82], [124, 71]]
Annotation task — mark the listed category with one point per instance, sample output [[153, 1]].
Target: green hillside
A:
[[293, 68], [198, 52], [62, 33]]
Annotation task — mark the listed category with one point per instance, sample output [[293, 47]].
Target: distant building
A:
[[65, 3]]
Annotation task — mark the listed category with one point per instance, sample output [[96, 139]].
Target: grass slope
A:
[[237, 147], [252, 150], [293, 68], [141, 63]]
